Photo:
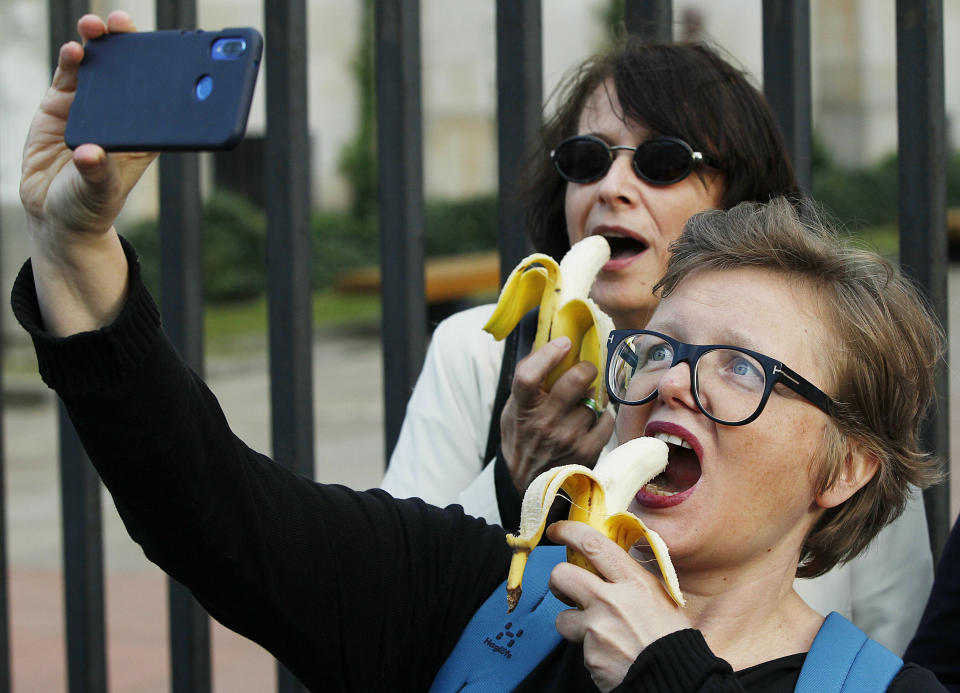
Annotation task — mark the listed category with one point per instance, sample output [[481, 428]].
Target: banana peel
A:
[[562, 291], [600, 498]]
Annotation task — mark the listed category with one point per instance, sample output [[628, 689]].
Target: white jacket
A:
[[439, 458]]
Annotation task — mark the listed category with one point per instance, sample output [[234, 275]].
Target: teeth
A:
[[671, 439], [562, 292], [655, 491], [598, 497]]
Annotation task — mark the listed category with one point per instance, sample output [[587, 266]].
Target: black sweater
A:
[[350, 590], [936, 644]]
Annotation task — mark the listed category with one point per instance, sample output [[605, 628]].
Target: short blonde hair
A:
[[889, 345]]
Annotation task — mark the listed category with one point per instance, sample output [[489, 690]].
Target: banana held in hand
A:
[[600, 498], [563, 294]]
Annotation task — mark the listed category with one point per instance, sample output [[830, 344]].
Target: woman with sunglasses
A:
[[643, 137], [788, 375]]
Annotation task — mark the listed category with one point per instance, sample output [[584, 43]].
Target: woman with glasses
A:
[[788, 375], [643, 137], [776, 367]]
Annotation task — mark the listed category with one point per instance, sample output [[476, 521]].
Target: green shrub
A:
[[234, 230], [953, 180], [859, 197], [869, 197], [341, 242], [146, 240], [234, 249], [461, 226], [234, 242]]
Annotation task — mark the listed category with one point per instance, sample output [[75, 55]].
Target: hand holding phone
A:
[[165, 90]]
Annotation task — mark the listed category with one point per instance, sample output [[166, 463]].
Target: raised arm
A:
[[71, 199]]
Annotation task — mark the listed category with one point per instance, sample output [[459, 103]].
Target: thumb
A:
[[88, 198], [100, 190], [93, 164]]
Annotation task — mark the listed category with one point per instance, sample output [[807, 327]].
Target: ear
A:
[[858, 468]]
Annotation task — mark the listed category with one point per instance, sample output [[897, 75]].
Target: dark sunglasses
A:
[[659, 161]]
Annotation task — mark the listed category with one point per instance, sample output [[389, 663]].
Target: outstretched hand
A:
[[72, 199], [618, 615], [540, 429]]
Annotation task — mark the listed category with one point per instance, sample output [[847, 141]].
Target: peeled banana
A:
[[600, 497], [563, 294]]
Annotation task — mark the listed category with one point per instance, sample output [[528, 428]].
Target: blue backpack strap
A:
[[843, 658], [498, 650]]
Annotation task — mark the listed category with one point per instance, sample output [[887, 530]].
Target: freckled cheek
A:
[[767, 457], [775, 465]]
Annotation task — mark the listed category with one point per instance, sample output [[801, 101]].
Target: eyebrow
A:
[[609, 139], [612, 141], [727, 336]]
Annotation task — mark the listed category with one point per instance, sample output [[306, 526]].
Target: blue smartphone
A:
[[165, 90]]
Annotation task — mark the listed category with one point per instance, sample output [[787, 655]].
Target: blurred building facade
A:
[[853, 74]]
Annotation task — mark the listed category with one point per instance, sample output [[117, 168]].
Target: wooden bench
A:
[[953, 233], [448, 279]]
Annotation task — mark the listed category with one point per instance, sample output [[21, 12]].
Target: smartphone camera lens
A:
[[228, 48], [203, 88]]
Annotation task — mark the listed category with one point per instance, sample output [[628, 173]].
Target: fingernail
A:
[[561, 342]]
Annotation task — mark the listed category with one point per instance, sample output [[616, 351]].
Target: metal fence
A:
[[786, 54]]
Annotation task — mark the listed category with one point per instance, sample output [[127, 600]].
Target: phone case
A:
[[143, 91]]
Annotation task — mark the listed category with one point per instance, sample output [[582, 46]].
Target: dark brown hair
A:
[[683, 90]]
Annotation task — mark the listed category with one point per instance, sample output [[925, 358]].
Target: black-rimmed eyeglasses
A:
[[730, 384], [658, 161]]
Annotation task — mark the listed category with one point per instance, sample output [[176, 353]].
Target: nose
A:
[[619, 185], [675, 387]]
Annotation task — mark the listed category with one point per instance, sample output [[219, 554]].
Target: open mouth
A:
[[676, 482], [624, 247]]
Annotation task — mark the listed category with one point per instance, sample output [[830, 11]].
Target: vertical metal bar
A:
[[923, 200], [181, 296], [79, 491], [651, 19], [400, 152], [5, 676], [5, 680], [287, 186], [63, 16], [519, 100], [786, 78], [181, 278], [82, 565]]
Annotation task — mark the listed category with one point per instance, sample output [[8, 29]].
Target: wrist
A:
[[81, 284]]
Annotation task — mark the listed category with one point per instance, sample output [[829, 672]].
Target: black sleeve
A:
[[508, 498], [683, 662], [680, 661], [935, 645], [915, 679], [329, 580]]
